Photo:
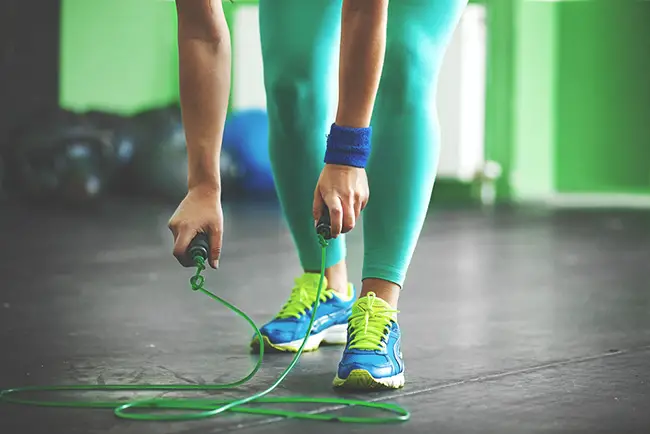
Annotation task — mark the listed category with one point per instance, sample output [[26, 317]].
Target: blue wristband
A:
[[348, 146]]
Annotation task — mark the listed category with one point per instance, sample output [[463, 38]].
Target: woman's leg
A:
[[299, 40], [401, 173], [404, 160]]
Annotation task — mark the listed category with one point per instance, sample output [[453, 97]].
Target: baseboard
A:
[[454, 191], [591, 200]]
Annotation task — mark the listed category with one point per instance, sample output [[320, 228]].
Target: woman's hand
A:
[[344, 190], [200, 211]]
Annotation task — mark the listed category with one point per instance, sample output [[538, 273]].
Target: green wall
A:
[[534, 82], [500, 89], [603, 98], [581, 98], [118, 55]]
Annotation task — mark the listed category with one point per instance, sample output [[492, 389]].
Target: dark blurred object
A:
[[60, 157], [2, 174], [232, 173], [124, 133], [159, 166], [30, 64]]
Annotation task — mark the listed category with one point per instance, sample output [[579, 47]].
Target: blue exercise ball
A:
[[245, 140]]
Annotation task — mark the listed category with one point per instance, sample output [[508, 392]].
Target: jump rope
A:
[[163, 408]]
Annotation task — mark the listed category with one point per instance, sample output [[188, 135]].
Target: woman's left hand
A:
[[344, 189]]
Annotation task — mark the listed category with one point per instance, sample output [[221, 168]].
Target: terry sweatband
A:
[[348, 146]]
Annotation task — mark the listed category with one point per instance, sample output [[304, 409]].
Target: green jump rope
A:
[[184, 409]]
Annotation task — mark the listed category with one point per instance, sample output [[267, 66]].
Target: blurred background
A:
[[540, 102]]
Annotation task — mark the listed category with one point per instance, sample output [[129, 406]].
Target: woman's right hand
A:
[[200, 211]]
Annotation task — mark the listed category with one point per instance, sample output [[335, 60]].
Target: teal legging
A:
[[300, 47]]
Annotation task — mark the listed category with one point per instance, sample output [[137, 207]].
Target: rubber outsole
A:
[[335, 335], [360, 379]]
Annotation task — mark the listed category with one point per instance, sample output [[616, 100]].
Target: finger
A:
[[364, 201], [358, 206], [216, 238], [348, 216], [185, 236], [173, 228], [336, 214], [317, 207]]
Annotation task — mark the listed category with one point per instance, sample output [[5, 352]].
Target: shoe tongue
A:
[[310, 281], [370, 301]]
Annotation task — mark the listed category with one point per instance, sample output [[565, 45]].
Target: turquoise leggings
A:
[[299, 46]]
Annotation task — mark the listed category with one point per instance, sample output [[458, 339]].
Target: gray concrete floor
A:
[[514, 320]]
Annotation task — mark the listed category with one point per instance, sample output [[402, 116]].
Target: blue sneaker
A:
[[372, 358], [287, 330]]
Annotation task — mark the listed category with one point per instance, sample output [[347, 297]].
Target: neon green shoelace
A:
[[161, 408], [302, 298], [370, 323]]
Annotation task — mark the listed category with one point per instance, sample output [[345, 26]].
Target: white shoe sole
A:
[[335, 335], [360, 379]]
